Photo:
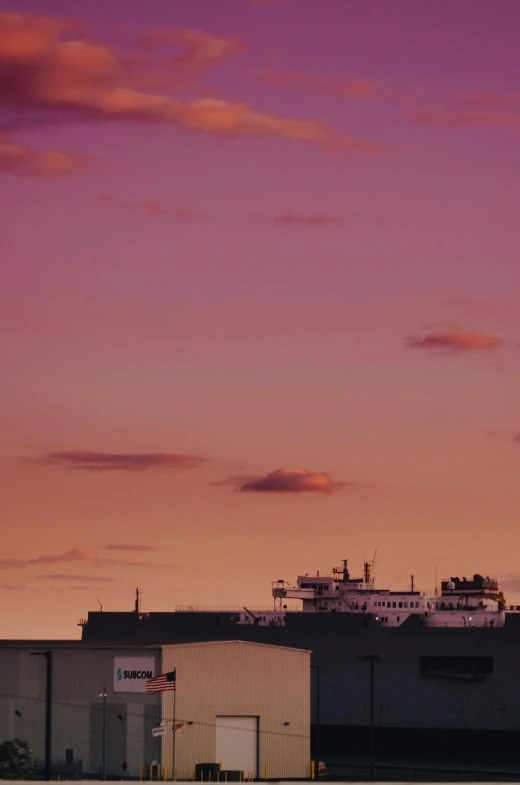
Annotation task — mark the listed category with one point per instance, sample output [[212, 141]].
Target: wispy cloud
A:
[[130, 547], [21, 159], [292, 480], [466, 118], [450, 339], [68, 557], [260, 4], [486, 100], [346, 86], [77, 578], [153, 208], [310, 219], [85, 460], [44, 71]]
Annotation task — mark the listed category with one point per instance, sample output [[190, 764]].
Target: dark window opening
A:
[[456, 666]]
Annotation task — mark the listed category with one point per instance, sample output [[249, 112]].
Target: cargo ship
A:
[[445, 664]]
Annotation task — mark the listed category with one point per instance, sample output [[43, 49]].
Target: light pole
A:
[[48, 710], [317, 715], [104, 748], [372, 658]]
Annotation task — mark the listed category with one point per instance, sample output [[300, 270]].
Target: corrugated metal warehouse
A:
[[244, 705]]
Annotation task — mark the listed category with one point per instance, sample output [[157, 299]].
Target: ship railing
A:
[[234, 608]]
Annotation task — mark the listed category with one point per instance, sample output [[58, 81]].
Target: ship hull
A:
[[449, 691]]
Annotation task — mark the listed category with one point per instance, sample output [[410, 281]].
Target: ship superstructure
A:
[[461, 603]]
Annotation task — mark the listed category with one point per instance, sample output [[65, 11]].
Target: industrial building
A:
[[243, 705]]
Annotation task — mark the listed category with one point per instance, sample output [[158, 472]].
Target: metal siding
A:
[[79, 675], [238, 678]]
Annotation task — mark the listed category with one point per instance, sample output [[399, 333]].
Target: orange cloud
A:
[[449, 341], [471, 118], [299, 219], [296, 480], [86, 460], [153, 208], [67, 78], [21, 159]]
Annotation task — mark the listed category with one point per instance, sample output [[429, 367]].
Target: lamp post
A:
[[372, 658], [317, 715], [104, 747], [48, 710]]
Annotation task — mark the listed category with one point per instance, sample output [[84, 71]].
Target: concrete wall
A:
[[239, 678], [79, 675]]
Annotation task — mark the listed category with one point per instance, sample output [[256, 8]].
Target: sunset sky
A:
[[260, 264]]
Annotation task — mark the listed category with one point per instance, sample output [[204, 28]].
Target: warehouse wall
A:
[[239, 678], [79, 675]]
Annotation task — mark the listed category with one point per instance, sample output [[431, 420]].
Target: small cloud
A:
[[447, 340], [236, 480], [288, 480], [21, 159], [78, 578], [317, 219], [85, 460], [130, 547], [74, 555], [153, 208]]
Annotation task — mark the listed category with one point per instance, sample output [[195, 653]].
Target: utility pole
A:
[[48, 710], [317, 715], [104, 748], [372, 658]]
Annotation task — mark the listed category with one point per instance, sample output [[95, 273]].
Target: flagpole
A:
[[174, 715]]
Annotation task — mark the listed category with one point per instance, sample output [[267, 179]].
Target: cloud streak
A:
[[21, 159], [450, 340], [42, 71], [85, 460], [130, 547], [347, 87], [466, 118], [153, 208], [77, 578], [75, 555], [293, 480], [317, 219]]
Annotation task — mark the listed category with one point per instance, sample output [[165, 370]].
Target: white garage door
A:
[[237, 743]]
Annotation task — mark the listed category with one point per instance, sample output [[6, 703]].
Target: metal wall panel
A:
[[79, 675], [239, 678]]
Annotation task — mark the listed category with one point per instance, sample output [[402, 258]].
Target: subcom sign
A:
[[132, 673]]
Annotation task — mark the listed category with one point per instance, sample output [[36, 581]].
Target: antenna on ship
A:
[[137, 606], [100, 606]]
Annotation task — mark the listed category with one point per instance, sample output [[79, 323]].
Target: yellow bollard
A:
[[265, 770], [164, 772], [140, 772], [313, 769]]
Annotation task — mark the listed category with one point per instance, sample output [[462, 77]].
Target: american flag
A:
[[166, 681]]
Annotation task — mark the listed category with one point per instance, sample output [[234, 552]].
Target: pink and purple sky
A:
[[259, 282]]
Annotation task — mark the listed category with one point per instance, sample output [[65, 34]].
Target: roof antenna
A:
[[137, 606], [100, 606]]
